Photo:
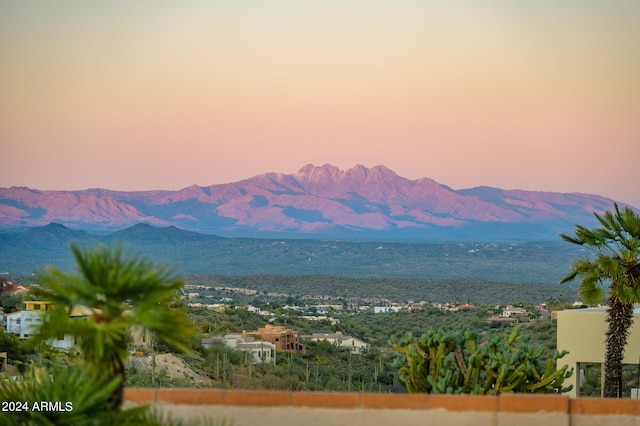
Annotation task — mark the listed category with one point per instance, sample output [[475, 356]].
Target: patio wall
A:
[[239, 408]]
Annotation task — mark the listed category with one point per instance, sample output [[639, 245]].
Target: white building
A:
[[386, 309], [258, 350], [355, 345], [26, 323], [514, 312]]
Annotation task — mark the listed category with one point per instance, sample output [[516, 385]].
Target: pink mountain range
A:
[[313, 201]]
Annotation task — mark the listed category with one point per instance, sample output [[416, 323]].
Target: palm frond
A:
[[118, 290], [610, 225], [570, 239], [87, 398], [591, 291]]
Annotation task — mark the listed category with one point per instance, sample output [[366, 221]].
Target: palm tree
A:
[[617, 264], [118, 291]]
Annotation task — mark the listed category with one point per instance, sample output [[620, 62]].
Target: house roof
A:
[[12, 288], [330, 336]]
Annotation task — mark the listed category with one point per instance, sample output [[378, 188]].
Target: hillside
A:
[[188, 252]]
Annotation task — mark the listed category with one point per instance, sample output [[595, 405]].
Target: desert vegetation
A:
[[120, 291]]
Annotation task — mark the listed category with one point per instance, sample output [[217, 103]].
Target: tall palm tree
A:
[[616, 264], [119, 291]]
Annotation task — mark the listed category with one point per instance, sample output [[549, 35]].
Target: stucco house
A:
[[355, 345], [26, 323], [386, 309], [257, 350], [581, 333], [520, 314]]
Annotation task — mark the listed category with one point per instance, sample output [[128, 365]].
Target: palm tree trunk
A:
[[620, 319], [117, 397]]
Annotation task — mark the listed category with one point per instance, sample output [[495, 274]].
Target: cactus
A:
[[454, 363]]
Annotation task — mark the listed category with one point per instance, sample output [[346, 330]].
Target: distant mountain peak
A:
[[328, 172], [315, 173]]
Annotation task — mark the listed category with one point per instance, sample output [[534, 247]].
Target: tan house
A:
[[581, 332]]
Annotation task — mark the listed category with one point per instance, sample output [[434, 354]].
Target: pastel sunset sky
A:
[[135, 95]]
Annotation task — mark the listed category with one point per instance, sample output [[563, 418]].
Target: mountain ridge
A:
[[24, 252], [315, 201]]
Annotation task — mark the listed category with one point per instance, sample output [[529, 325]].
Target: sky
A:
[[538, 95]]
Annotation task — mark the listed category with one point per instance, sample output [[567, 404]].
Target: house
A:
[[355, 345], [581, 333], [256, 350], [509, 311], [7, 287], [465, 306], [218, 307], [514, 312], [207, 342], [283, 338], [386, 309], [25, 323]]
